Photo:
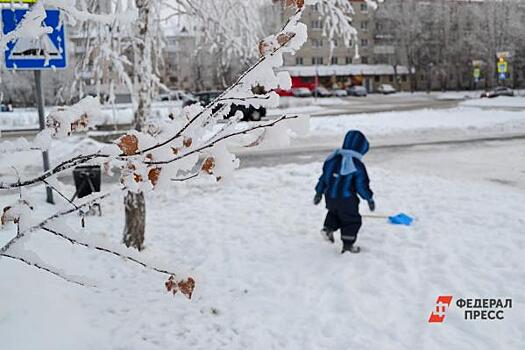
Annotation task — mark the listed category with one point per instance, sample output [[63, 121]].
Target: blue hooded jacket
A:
[[344, 174]]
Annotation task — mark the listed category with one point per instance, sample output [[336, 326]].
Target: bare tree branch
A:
[[21, 234], [106, 250], [47, 269]]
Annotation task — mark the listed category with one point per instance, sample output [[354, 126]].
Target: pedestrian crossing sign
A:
[[45, 52]]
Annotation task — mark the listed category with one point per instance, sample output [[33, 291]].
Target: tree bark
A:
[[135, 207], [135, 203]]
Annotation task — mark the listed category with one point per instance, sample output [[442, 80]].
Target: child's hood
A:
[[355, 140]]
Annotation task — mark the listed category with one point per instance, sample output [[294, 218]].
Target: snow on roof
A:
[[349, 69]]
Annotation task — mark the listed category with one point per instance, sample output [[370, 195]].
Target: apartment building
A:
[[336, 63]]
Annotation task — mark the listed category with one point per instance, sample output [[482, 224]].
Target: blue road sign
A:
[[46, 52]]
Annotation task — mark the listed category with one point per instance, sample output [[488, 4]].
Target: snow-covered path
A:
[[266, 280]]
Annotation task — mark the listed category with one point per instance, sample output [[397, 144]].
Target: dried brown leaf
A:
[[187, 287], [153, 175], [170, 285], [284, 38], [4, 218], [129, 144], [187, 141], [297, 3], [208, 165], [80, 124], [137, 177], [263, 47]]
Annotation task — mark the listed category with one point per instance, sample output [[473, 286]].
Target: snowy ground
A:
[[267, 281]]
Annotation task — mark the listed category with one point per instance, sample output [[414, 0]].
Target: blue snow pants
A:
[[343, 214]]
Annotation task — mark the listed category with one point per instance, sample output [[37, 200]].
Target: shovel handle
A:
[[375, 216]]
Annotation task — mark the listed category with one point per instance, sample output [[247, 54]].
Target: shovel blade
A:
[[401, 219]]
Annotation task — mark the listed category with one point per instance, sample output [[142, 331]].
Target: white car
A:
[[340, 93], [175, 95], [387, 89], [301, 92]]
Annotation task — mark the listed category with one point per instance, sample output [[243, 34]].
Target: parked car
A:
[[249, 112], [340, 93], [322, 92], [499, 91], [176, 95], [302, 92], [357, 90], [387, 89], [6, 107]]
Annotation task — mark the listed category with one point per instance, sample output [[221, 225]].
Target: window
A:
[[364, 60], [348, 60], [364, 26], [335, 60], [317, 42], [317, 60], [404, 78], [335, 43], [299, 61], [391, 78], [316, 24], [364, 7], [364, 42], [377, 79]]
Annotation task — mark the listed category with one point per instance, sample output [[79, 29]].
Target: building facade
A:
[[358, 62]]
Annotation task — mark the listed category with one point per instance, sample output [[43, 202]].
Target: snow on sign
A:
[[45, 52]]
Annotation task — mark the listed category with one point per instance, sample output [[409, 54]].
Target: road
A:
[[497, 161], [375, 103], [328, 107]]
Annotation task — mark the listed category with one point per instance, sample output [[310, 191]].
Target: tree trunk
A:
[[135, 207], [135, 203]]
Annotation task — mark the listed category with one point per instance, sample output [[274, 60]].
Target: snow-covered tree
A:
[[156, 152]]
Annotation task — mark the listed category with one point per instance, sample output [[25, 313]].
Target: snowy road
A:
[[464, 160]]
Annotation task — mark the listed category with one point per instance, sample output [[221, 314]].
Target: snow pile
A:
[[499, 102], [420, 121]]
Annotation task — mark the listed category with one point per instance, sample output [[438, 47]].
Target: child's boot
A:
[[350, 247], [328, 234]]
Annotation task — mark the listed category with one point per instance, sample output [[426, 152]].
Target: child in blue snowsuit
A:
[[344, 177]]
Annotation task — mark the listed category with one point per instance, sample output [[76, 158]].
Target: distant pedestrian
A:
[[344, 178]]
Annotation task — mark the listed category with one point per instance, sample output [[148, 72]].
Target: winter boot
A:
[[328, 234], [350, 247]]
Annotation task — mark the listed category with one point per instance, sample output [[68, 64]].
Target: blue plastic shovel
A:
[[398, 219]]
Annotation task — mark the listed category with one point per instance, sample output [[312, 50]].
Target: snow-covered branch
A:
[[158, 151]]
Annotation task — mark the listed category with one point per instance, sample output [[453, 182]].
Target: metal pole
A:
[[41, 120], [316, 82]]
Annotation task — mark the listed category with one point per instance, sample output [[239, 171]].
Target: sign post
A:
[[476, 73], [503, 65], [45, 52], [39, 92]]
